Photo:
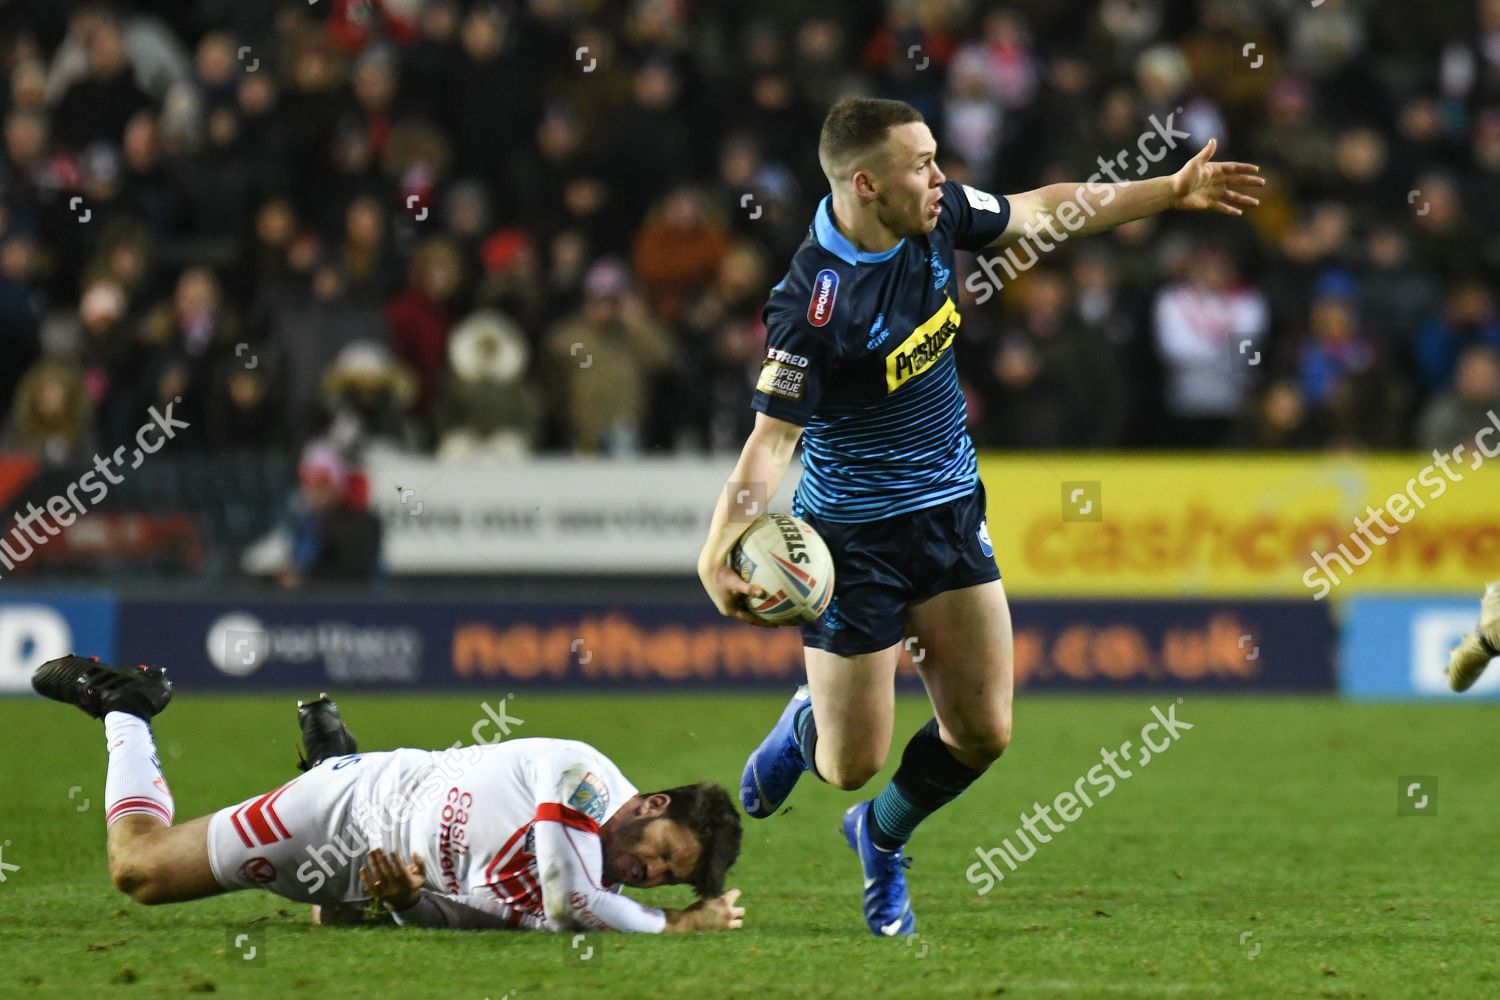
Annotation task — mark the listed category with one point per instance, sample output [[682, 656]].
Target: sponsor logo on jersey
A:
[[778, 378], [786, 357], [878, 332], [940, 273], [452, 834], [923, 348], [590, 797], [825, 289]]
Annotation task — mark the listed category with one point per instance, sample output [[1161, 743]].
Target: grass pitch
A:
[[1262, 855]]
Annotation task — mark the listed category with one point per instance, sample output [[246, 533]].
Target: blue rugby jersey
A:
[[859, 352]]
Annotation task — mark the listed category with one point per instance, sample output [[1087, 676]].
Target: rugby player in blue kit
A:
[[860, 368]]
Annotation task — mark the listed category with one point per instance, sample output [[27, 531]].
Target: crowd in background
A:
[[476, 228]]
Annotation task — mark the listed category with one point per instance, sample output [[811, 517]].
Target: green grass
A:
[[1273, 817]]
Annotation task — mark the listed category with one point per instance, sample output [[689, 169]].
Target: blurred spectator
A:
[[96, 106], [677, 252], [51, 414], [368, 396], [335, 538], [309, 159], [1279, 420], [1058, 381], [242, 411], [907, 57], [307, 325], [651, 145], [156, 57], [600, 362], [1455, 416], [1338, 369], [420, 317], [1210, 332], [1397, 296], [113, 360], [1468, 318], [486, 407], [21, 307], [186, 339]]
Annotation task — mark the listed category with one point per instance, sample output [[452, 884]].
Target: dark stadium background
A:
[[433, 284]]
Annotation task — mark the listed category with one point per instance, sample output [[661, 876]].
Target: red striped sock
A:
[[134, 785]]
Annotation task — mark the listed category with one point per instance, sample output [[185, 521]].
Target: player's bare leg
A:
[[966, 667], [853, 712], [155, 863], [844, 741], [149, 858]]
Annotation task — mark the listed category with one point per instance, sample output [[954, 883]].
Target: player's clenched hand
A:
[[729, 591], [716, 914], [1223, 187], [390, 883]]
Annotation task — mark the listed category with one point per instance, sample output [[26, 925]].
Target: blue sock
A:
[[929, 778], [805, 730]]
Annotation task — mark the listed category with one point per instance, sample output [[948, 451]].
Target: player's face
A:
[[908, 199], [651, 851]]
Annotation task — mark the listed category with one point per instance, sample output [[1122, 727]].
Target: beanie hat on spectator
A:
[[607, 279], [501, 251]]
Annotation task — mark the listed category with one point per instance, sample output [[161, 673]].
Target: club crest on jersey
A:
[[590, 797], [939, 272], [825, 289]]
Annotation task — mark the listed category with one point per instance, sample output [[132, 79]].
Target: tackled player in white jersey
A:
[[530, 834]]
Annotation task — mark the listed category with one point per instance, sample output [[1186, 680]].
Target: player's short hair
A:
[[706, 810], [856, 127]]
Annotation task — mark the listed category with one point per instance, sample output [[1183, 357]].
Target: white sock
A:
[[134, 784]]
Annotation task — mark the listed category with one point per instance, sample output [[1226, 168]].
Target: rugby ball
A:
[[784, 556]]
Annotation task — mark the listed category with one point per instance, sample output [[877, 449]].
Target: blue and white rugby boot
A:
[[887, 902], [773, 769]]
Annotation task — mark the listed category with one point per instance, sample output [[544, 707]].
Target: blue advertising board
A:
[[312, 643], [1397, 647], [36, 626]]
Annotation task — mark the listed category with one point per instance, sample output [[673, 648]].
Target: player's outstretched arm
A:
[[1059, 210], [755, 479]]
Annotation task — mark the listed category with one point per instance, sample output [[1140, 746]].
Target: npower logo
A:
[[825, 288]]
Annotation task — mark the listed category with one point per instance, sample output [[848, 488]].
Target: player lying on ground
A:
[[525, 834], [860, 368], [1479, 647]]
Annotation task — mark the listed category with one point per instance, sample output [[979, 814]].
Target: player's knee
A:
[[989, 739], [850, 774], [138, 881]]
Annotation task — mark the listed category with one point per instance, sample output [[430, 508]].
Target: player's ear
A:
[[655, 804]]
